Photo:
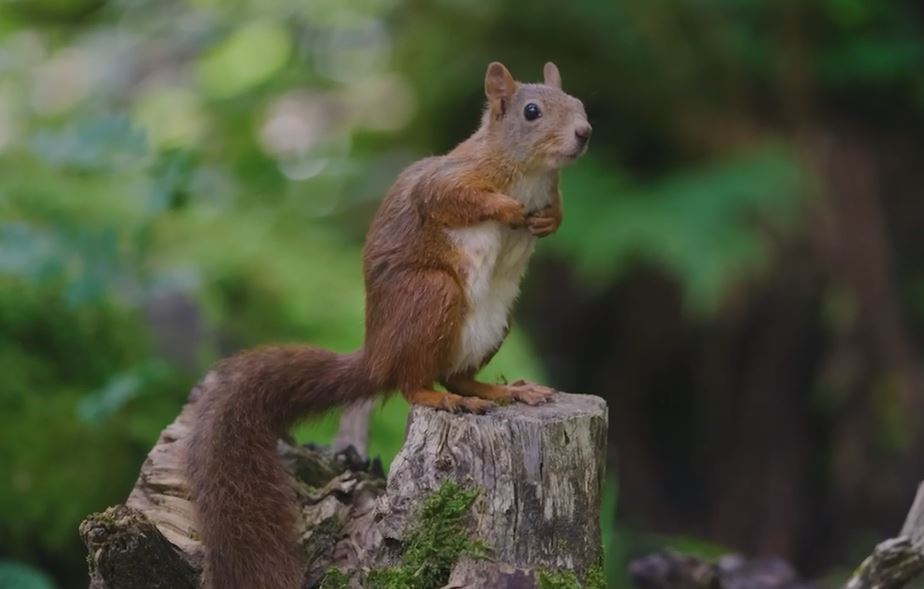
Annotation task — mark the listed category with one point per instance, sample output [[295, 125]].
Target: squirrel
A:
[[442, 264]]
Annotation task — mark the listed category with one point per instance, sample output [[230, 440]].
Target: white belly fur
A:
[[495, 259]]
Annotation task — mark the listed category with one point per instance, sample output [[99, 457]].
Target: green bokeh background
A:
[[183, 178]]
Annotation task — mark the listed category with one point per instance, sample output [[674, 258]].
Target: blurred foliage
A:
[[14, 575], [230, 155], [699, 225]]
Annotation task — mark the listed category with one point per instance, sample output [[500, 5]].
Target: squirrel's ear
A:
[[499, 86], [552, 75]]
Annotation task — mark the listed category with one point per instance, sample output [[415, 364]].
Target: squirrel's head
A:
[[538, 125]]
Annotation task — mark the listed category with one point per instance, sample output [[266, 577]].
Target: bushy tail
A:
[[245, 503]]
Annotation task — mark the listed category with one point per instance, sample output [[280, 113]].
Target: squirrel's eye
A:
[[532, 112]]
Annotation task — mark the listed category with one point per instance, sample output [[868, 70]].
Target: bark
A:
[[354, 428], [151, 541], [914, 522], [892, 565], [538, 472], [897, 561]]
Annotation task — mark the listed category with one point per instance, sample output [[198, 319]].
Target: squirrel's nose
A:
[[583, 133]]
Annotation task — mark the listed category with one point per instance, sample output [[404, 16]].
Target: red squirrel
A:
[[442, 264]]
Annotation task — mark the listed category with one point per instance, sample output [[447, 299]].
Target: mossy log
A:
[[151, 541], [536, 472]]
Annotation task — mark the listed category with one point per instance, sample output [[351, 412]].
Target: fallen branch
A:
[[897, 561]]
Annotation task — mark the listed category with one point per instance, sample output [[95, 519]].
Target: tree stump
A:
[[537, 475], [538, 472]]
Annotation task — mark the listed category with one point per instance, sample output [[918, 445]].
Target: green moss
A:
[[558, 580], [596, 576], [335, 579], [564, 579], [433, 544], [323, 538]]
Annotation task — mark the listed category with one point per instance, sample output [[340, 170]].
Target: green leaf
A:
[[101, 143], [246, 59]]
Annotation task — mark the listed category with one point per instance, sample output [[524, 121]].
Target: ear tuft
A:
[[552, 75], [499, 86]]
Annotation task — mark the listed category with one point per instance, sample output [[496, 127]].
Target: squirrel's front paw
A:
[[512, 213], [543, 222]]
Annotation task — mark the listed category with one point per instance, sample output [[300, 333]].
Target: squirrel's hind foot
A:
[[519, 391], [449, 401]]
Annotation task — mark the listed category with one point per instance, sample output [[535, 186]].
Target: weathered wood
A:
[[161, 493], [539, 473], [913, 527], [896, 561], [354, 428], [892, 565], [128, 552], [151, 542]]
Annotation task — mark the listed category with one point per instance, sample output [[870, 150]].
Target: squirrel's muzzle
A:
[[583, 134]]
